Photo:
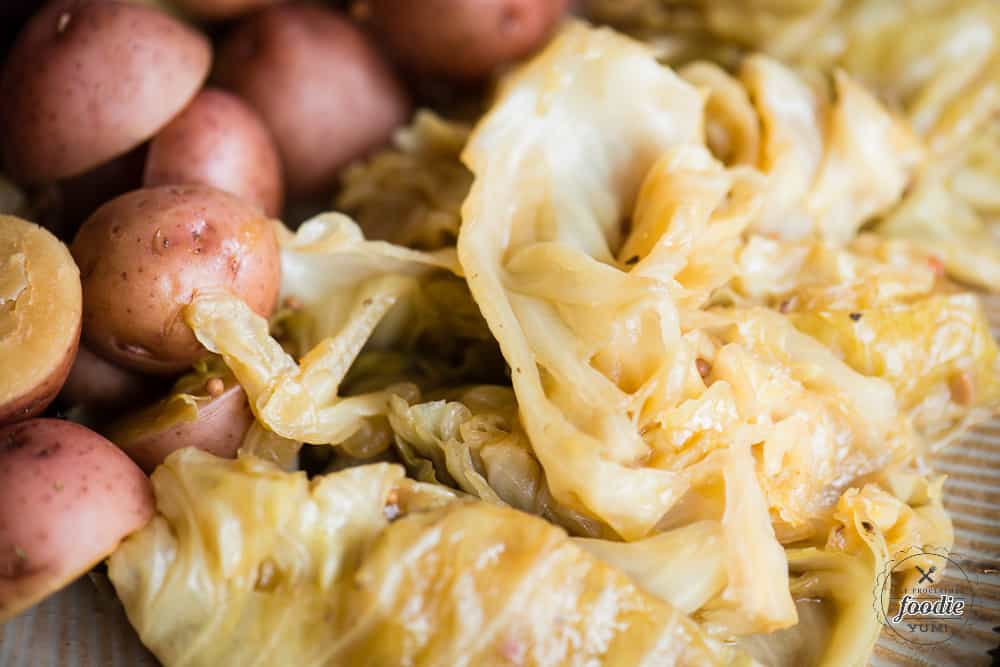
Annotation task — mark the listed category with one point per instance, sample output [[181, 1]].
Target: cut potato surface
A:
[[40, 311]]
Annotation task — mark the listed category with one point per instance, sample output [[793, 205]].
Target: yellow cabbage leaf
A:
[[245, 564]]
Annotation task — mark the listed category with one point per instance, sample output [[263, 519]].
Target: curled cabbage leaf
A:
[[938, 61], [472, 439], [591, 322], [352, 293], [366, 567], [660, 352], [833, 159], [546, 140], [834, 584]]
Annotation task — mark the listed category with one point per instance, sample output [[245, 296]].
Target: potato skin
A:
[[220, 141], [99, 385], [220, 10], [219, 430], [67, 498], [320, 85], [87, 80], [463, 39], [34, 403], [144, 255], [40, 334]]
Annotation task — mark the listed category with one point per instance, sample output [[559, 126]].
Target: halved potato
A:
[[41, 305], [206, 409]]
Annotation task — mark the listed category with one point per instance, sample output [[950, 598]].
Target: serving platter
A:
[[84, 626]]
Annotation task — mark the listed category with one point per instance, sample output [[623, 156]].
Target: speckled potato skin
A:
[[67, 498], [475, 39], [319, 84], [87, 80], [220, 141], [144, 255], [219, 430]]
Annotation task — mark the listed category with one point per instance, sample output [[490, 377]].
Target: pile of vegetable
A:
[[474, 333]]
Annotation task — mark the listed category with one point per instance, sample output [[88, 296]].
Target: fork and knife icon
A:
[[926, 576]]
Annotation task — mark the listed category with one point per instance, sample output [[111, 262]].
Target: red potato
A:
[[463, 39], [40, 315], [104, 387], [144, 255], [217, 425], [319, 84], [83, 194], [88, 80], [220, 141], [220, 10], [67, 498]]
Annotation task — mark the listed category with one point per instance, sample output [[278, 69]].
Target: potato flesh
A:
[[40, 310]]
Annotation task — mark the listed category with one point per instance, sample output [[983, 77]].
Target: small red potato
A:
[[67, 498], [88, 80], [220, 141], [463, 39], [220, 10], [144, 255], [103, 387], [320, 85], [40, 311], [208, 411]]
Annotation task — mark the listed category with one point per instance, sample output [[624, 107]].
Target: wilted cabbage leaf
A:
[[352, 293], [411, 194], [936, 60], [318, 573], [833, 158], [472, 439], [938, 354], [541, 223], [597, 354], [653, 388], [704, 356]]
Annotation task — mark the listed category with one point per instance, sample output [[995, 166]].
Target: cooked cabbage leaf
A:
[[352, 293], [938, 61], [834, 585], [833, 159], [411, 194], [592, 326], [472, 439], [557, 160], [667, 285], [245, 564], [938, 353]]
